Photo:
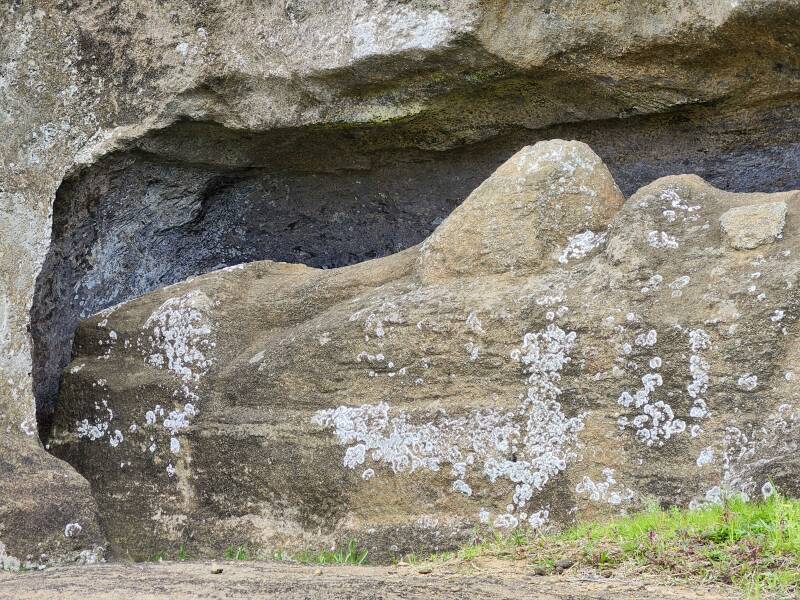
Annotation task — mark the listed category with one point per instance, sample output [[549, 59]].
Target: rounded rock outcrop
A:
[[545, 197], [281, 406]]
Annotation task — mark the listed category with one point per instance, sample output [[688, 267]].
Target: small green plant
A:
[[236, 553], [410, 559], [281, 555], [347, 555], [182, 553]]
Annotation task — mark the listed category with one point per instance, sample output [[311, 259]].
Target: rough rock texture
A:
[[548, 353], [667, 87], [748, 227], [39, 527], [193, 197]]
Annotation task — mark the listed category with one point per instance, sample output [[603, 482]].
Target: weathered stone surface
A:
[[748, 227], [110, 96], [515, 222], [407, 399], [34, 487]]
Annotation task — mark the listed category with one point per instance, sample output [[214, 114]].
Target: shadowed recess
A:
[[195, 197]]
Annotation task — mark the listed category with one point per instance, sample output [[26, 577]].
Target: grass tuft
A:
[[347, 555], [755, 545], [236, 553]]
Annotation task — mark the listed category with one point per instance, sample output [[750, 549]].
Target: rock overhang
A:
[[179, 60], [608, 373]]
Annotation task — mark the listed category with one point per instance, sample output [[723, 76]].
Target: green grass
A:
[[236, 553], [755, 545], [347, 555]]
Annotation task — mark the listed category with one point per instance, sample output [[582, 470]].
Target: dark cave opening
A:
[[198, 198], [195, 197]]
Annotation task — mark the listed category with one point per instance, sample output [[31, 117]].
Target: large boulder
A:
[[549, 353], [123, 121]]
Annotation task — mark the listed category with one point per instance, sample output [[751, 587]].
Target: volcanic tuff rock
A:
[[146, 142], [549, 353]]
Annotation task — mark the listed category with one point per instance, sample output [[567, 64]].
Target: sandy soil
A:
[[500, 579]]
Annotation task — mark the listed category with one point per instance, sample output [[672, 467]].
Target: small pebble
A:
[[564, 563], [424, 570]]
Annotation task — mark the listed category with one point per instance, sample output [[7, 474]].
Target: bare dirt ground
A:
[[495, 580]]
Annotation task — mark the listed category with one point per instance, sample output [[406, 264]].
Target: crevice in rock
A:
[[196, 196]]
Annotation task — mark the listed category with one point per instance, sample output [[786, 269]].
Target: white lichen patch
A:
[[647, 339], [678, 284], [180, 341], [676, 205], [608, 491], [8, 562], [661, 240], [652, 284], [116, 438], [580, 245], [526, 447], [655, 422], [92, 431], [743, 455], [566, 157], [462, 487], [379, 318], [747, 382], [179, 336], [705, 457], [28, 426], [474, 323], [699, 369]]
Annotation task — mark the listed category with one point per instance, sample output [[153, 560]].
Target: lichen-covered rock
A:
[[148, 122], [406, 400], [517, 223]]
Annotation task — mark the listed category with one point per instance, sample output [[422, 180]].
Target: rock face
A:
[[35, 488], [144, 143], [550, 352]]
